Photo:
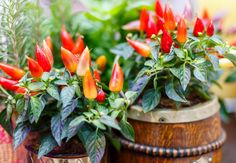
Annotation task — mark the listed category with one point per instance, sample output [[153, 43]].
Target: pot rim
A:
[[188, 114]]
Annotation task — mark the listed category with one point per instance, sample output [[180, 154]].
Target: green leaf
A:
[[94, 143], [60, 82], [37, 106], [20, 133], [154, 50], [200, 74], [67, 94], [53, 91], [47, 144], [131, 96], [231, 78], [179, 53], [123, 49], [168, 58], [109, 121], [117, 103], [139, 84], [6, 124], [150, 100], [45, 76], [57, 125], [68, 109], [98, 124], [172, 94], [231, 57], [149, 63], [36, 86], [214, 60], [126, 129], [20, 103], [74, 126], [183, 73]]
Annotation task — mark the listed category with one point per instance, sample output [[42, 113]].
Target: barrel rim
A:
[[174, 152], [188, 114]]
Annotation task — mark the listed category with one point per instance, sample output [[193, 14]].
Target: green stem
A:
[[4, 91]]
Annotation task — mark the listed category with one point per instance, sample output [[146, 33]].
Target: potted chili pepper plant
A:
[[175, 116], [65, 113]]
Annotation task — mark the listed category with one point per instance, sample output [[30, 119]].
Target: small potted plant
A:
[[64, 113], [175, 116]]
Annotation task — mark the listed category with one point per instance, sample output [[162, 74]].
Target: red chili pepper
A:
[[198, 27], [79, 46], [160, 24], [151, 27], [143, 19], [69, 60], [182, 31], [210, 29], [49, 42], [48, 52], [101, 96], [158, 9], [101, 62], [89, 86], [166, 42], [20, 90], [84, 62], [8, 84], [43, 59], [66, 39], [12, 71], [169, 18], [35, 69], [97, 75], [117, 79], [140, 47]]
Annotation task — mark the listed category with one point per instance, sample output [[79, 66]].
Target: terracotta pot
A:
[[192, 134]]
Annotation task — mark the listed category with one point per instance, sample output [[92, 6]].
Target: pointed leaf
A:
[[68, 109], [57, 125], [109, 121], [53, 91], [74, 126], [172, 94], [126, 129], [20, 133], [150, 100], [67, 94], [47, 144], [37, 106]]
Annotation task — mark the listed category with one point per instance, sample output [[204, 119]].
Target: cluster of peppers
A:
[[76, 59], [165, 21]]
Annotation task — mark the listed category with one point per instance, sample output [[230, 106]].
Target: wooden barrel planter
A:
[[69, 152], [188, 135]]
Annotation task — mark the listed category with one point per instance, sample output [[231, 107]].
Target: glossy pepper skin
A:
[[160, 23], [198, 27], [143, 19], [89, 86], [169, 18], [35, 69], [45, 48], [14, 72], [158, 9], [97, 75], [43, 59], [69, 60], [101, 96], [151, 27], [66, 39], [101, 62], [140, 47], [182, 31], [117, 79], [49, 42], [210, 29], [84, 62], [166, 42], [79, 46], [8, 84]]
